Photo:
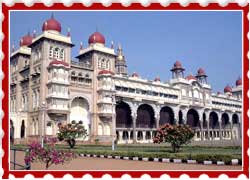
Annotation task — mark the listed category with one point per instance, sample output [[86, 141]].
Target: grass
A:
[[199, 153]]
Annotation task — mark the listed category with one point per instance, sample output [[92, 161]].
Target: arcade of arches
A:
[[141, 125]]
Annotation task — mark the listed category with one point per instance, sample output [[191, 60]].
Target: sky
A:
[[153, 40]]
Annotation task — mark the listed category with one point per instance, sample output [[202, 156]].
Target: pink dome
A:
[[106, 72], [56, 62], [238, 82], [177, 64], [190, 77], [26, 40], [201, 71], [157, 79], [135, 74], [52, 24], [96, 38], [227, 89]]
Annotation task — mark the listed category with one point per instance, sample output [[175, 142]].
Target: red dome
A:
[[26, 40], [56, 62], [238, 82], [157, 79], [96, 38], [52, 24], [227, 89], [177, 64], [190, 77], [106, 72], [135, 74], [201, 71]]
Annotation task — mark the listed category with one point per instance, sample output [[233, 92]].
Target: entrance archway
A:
[[79, 112], [225, 121], [12, 132], [180, 117], [166, 116], [22, 129], [145, 116], [123, 115], [193, 118], [213, 121]]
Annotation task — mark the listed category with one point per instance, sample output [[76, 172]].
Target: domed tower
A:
[[201, 76], [177, 70], [228, 90], [120, 62], [20, 60], [49, 70], [237, 90], [98, 60]]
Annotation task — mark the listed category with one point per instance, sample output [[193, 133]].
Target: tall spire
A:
[[68, 33], [34, 33], [112, 44], [81, 45]]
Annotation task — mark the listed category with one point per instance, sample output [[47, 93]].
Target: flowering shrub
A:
[[176, 135], [47, 154], [70, 132]]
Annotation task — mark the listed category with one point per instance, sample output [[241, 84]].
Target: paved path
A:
[[85, 163]]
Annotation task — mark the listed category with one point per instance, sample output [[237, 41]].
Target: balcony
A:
[[81, 64]]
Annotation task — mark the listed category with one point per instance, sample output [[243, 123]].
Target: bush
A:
[[48, 154], [176, 135], [70, 132]]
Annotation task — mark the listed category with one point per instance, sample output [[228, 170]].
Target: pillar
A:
[[144, 135], [220, 131], [134, 128]]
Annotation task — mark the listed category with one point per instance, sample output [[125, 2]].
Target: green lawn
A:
[[199, 153]]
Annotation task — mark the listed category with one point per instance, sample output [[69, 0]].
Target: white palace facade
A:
[[48, 88]]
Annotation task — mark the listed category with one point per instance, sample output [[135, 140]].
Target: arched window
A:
[[56, 53], [22, 129], [62, 54], [51, 52], [107, 64]]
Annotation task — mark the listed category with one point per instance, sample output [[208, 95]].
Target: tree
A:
[[47, 154], [70, 132], [176, 135]]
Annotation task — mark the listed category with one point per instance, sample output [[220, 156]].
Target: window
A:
[[51, 52], [62, 54], [56, 53]]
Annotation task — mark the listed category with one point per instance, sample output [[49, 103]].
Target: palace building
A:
[[49, 88]]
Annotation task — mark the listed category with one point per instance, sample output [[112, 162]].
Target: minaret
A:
[[177, 70], [120, 62], [201, 76]]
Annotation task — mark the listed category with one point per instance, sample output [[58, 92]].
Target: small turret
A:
[[120, 62]]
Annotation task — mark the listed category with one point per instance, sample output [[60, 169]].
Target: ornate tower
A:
[[120, 62], [201, 76], [19, 87], [177, 70], [50, 62], [237, 91], [102, 66]]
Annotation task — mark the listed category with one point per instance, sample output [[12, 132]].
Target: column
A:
[[201, 132], [134, 128], [220, 133], [120, 136], [144, 136], [129, 135], [157, 119]]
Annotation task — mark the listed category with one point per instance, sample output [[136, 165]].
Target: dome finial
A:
[[81, 45], [68, 33], [34, 33], [112, 44], [13, 48]]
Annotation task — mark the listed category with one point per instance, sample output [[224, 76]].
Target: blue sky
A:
[[153, 41]]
